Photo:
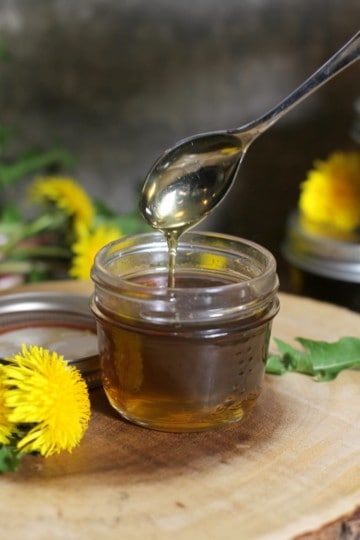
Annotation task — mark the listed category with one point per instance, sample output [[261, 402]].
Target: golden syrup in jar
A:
[[179, 378]]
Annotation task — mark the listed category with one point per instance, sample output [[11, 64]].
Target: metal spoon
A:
[[189, 180]]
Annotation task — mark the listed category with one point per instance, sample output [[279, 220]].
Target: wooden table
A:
[[289, 470]]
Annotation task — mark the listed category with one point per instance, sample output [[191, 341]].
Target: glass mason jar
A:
[[322, 267], [191, 357]]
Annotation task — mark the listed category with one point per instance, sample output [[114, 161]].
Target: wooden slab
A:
[[290, 467]]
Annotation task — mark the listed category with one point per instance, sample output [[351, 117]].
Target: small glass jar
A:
[[191, 357], [322, 267]]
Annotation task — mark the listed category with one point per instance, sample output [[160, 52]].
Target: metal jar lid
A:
[[327, 257], [24, 315]]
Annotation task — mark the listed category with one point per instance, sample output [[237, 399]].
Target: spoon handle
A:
[[348, 54]]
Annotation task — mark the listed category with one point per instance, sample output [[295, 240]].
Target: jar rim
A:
[[146, 254], [100, 273]]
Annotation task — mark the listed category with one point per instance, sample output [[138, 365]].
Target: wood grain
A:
[[291, 467]]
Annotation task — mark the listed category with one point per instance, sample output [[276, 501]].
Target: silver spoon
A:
[[189, 180]]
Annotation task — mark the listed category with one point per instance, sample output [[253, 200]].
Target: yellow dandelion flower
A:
[[330, 195], [67, 195], [49, 396], [87, 246], [6, 427]]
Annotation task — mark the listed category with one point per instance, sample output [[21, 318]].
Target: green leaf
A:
[[321, 360], [275, 365], [10, 459], [129, 223], [6, 135], [32, 162], [10, 214], [102, 209]]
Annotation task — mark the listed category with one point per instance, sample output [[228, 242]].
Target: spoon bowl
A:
[[190, 179]]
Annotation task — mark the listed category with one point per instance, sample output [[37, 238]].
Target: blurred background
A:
[[118, 82]]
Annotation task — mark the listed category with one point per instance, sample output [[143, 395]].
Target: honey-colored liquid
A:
[[181, 379]]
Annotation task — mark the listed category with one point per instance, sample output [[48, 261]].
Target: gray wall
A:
[[117, 81]]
